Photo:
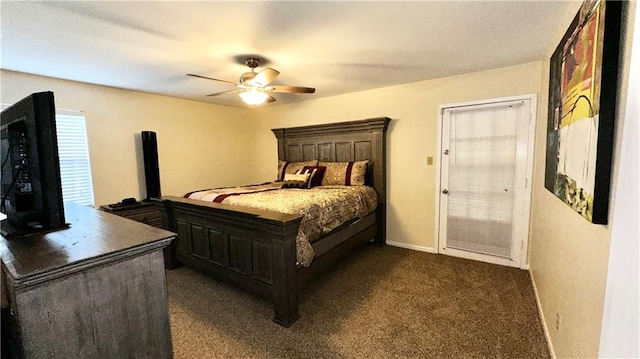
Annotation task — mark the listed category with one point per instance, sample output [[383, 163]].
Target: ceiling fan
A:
[[254, 88]]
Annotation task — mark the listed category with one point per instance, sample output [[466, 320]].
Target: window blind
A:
[[75, 167]]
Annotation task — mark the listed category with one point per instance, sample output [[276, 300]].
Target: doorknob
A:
[[445, 191]]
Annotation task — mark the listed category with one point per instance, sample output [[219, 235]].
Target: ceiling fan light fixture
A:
[[253, 97], [254, 88]]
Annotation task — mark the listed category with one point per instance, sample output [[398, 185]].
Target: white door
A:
[[486, 160]]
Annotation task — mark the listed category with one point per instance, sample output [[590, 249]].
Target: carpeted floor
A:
[[381, 303]]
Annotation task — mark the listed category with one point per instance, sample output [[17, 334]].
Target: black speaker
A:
[[151, 168]]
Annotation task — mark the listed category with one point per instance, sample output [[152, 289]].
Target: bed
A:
[[255, 249]]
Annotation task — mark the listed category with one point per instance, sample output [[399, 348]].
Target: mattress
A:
[[322, 208]]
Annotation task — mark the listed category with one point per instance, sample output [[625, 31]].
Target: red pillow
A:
[[316, 180]]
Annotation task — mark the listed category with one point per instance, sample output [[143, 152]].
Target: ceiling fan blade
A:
[[291, 89], [263, 78], [210, 78], [270, 99], [225, 92]]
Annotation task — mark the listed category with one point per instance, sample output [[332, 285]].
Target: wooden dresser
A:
[[143, 212], [94, 290]]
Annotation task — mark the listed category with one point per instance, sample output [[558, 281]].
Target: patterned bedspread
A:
[[322, 208]]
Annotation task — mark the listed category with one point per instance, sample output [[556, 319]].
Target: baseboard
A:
[[412, 246], [541, 316]]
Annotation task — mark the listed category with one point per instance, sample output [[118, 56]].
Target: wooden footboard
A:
[[252, 249]]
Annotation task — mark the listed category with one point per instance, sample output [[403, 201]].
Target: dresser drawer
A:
[[147, 217], [146, 213]]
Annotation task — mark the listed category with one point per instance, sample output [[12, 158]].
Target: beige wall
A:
[[412, 136], [568, 255], [621, 318], [199, 145]]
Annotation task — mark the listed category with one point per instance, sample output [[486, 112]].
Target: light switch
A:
[[430, 161]]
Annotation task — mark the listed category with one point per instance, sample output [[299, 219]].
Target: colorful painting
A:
[[582, 97]]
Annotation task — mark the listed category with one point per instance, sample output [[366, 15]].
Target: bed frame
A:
[[256, 249]]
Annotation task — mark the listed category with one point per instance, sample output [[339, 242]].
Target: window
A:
[[73, 150]]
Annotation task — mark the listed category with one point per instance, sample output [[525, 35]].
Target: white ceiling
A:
[[336, 47]]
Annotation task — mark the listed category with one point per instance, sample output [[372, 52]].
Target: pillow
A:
[[296, 180], [344, 173], [316, 178], [285, 167], [282, 165]]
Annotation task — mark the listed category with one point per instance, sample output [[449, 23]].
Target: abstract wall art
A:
[[582, 108]]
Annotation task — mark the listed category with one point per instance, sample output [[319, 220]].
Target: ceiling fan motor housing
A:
[[247, 76]]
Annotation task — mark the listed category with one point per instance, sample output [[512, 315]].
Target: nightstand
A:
[[144, 212]]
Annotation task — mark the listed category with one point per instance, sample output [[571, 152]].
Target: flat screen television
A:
[[31, 189]]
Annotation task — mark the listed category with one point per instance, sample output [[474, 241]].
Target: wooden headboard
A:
[[339, 142]]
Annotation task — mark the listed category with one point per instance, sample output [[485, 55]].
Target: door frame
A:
[[522, 218]]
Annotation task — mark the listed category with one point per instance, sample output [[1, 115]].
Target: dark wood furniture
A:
[[93, 290], [143, 212], [256, 249]]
